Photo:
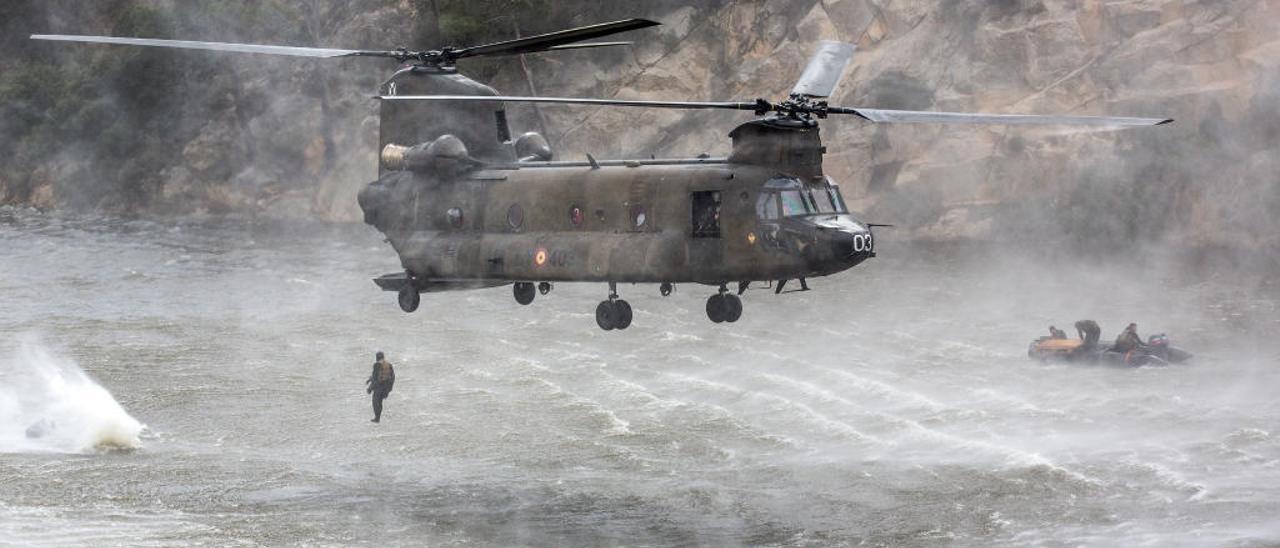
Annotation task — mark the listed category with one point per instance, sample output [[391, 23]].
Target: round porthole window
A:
[[575, 216], [515, 216], [455, 217]]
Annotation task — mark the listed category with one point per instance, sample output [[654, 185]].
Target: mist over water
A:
[[893, 404]]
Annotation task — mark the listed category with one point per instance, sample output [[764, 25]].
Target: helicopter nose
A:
[[852, 244], [371, 199]]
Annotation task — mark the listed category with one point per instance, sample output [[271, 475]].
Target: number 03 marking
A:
[[862, 243]]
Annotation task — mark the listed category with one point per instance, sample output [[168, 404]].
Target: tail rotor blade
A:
[[882, 116], [825, 67]]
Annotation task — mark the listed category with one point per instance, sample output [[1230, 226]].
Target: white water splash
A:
[[49, 404]]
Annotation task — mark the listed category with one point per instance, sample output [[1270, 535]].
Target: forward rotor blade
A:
[[547, 41], [215, 46], [882, 116], [825, 67], [729, 105], [588, 45]]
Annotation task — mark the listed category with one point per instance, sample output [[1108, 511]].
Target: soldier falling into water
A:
[[379, 384]]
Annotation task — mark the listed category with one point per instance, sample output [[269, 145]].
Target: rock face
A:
[[1212, 65], [290, 138]]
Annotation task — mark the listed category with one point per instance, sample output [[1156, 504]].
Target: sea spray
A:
[[49, 404]]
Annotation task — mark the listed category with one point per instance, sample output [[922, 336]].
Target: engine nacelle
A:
[[444, 156]]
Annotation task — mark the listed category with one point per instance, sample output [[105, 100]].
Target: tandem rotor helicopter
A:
[[465, 205]]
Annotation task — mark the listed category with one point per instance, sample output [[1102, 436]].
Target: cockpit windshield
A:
[[787, 197]]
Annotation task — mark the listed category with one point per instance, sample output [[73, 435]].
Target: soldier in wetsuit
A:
[[1055, 333], [1128, 339], [1089, 332], [380, 383]]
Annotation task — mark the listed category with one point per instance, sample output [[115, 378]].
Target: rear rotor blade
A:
[[215, 46], [729, 105], [882, 116], [550, 40], [823, 72]]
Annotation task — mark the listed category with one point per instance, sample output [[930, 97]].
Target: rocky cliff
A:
[[1209, 178], [289, 137]]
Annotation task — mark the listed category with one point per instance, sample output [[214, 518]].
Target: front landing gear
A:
[[613, 313], [724, 307], [409, 297]]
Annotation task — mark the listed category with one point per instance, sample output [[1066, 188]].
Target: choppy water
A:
[[893, 405]]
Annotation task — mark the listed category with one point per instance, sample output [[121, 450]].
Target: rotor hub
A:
[[800, 107]]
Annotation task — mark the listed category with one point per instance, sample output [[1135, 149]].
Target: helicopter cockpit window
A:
[[823, 201], [767, 206], [833, 195], [706, 214], [794, 204], [829, 200]]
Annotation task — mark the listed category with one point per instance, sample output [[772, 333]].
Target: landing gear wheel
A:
[[717, 308], [733, 307], [524, 292], [544, 287], [665, 289], [409, 298], [621, 314], [604, 315]]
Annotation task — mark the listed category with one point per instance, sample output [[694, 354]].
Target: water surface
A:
[[892, 405]]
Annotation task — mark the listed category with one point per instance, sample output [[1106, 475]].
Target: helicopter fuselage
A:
[[666, 221]]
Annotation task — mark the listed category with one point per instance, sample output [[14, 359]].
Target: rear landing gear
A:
[[613, 313], [524, 292], [409, 298], [724, 307]]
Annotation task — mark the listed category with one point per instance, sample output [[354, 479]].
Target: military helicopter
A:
[[465, 205]]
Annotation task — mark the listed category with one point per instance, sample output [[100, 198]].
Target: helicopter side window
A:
[[638, 216], [706, 214], [455, 217], [767, 206]]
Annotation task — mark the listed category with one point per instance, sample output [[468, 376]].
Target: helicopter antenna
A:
[[443, 57]]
